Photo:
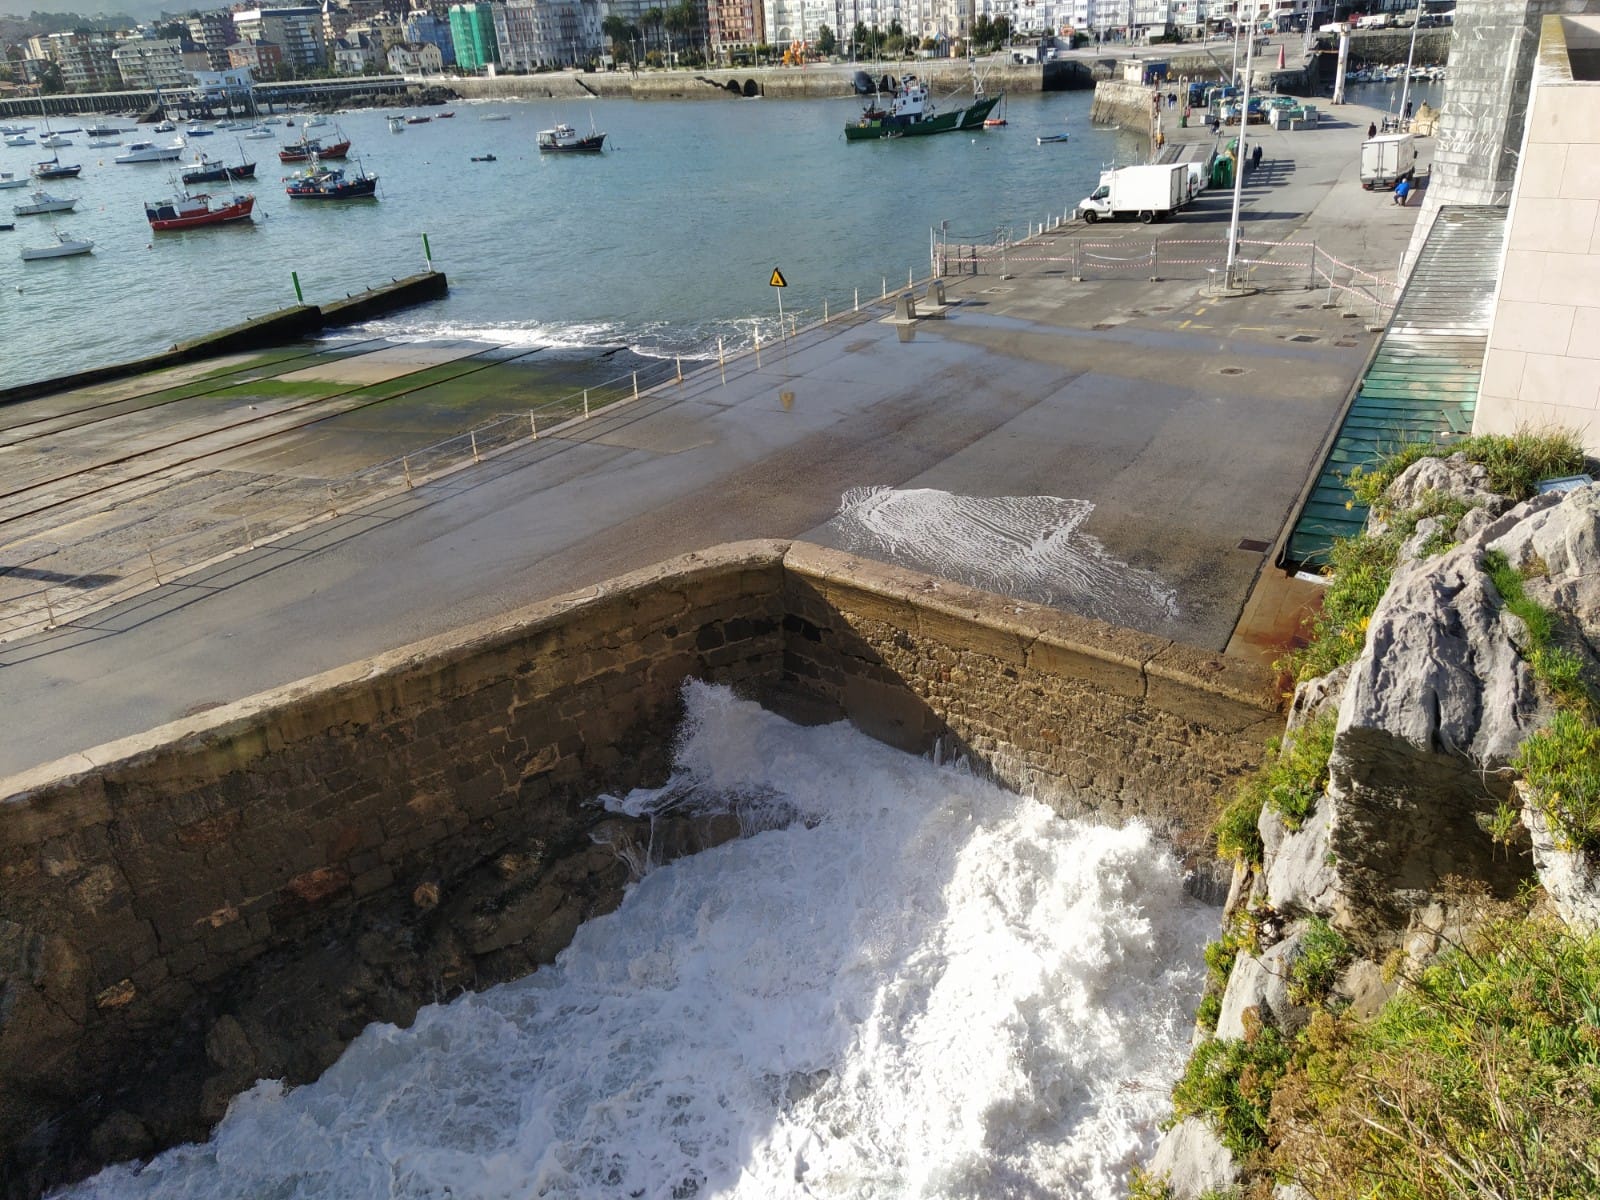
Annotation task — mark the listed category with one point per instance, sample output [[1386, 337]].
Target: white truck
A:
[[1151, 193], [1387, 159]]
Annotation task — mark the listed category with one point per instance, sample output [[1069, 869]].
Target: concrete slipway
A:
[[1170, 434]]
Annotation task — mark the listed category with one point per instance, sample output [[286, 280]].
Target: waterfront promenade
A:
[[1179, 427]]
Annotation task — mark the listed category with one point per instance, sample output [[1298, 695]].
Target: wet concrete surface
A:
[[1186, 424]]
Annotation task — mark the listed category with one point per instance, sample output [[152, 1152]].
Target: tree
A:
[[50, 81], [616, 31], [826, 42], [654, 18]]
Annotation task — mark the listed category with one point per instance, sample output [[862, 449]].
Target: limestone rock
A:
[[1316, 696], [1557, 547], [1192, 1160], [1262, 983], [1572, 879], [1437, 703], [1454, 476], [1300, 876], [1364, 986]]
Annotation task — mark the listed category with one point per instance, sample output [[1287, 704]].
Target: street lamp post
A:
[[1230, 276], [1405, 88]]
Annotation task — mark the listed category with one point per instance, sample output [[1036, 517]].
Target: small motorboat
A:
[[66, 246], [258, 133], [102, 131], [445, 116], [44, 202], [7, 226], [166, 127], [197, 131], [565, 139], [8, 180], [495, 117], [397, 124], [484, 158], [147, 152], [1046, 139], [19, 139], [418, 120], [192, 211], [103, 143], [329, 183], [55, 141]]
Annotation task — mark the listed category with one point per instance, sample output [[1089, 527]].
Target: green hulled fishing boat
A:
[[908, 111]]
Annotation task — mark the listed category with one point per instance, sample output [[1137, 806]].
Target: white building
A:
[[296, 31], [151, 63], [415, 58], [546, 33]]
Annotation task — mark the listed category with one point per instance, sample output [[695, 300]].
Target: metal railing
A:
[[54, 585]]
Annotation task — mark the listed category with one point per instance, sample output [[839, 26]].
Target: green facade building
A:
[[472, 31]]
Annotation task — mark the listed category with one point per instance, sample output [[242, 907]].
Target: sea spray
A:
[[906, 983]]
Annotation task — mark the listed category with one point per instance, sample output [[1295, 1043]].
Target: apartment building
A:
[[297, 32], [84, 59], [151, 63], [472, 33], [546, 33], [213, 32]]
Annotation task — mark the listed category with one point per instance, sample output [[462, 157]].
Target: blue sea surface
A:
[[663, 243]]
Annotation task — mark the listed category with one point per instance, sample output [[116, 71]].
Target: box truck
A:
[[1387, 159], [1151, 193]]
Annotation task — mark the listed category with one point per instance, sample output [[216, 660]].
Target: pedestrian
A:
[[1408, 110], [1402, 191], [1372, 129], [1255, 156]]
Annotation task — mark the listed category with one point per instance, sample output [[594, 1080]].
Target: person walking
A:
[[1372, 130], [1255, 157], [1402, 191]]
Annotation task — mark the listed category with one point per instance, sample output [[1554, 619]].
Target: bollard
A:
[[936, 293], [911, 279], [405, 465], [533, 426], [473, 434], [722, 363], [824, 310], [885, 295], [1311, 276], [905, 308], [1077, 262], [1155, 260], [758, 347], [678, 359], [635, 392], [858, 300]]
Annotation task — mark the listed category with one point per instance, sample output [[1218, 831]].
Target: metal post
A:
[[427, 252], [1311, 278], [405, 465], [858, 300], [1155, 260], [722, 363], [1229, 280], [885, 295], [824, 310], [473, 434], [635, 390], [49, 610], [678, 359], [299, 296], [586, 395], [1405, 88], [758, 347], [533, 426]]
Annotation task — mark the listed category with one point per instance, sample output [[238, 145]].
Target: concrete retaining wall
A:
[[392, 832], [256, 333]]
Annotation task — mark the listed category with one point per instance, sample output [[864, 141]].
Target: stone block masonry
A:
[[236, 895]]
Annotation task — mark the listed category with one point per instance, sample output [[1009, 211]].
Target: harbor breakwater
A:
[[236, 895], [254, 333]]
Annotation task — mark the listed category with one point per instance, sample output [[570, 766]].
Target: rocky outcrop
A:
[[1192, 1161]]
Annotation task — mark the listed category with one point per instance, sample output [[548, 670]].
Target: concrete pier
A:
[[1180, 429]]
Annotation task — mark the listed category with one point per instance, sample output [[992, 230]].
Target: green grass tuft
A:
[[1323, 954]]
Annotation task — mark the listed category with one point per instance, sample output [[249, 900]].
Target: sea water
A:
[[901, 981], [662, 244]]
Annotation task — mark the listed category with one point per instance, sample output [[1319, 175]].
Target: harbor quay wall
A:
[[236, 895], [254, 333]]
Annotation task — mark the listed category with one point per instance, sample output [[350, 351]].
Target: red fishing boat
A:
[[191, 211], [302, 150]]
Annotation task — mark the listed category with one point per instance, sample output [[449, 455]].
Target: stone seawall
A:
[[236, 895]]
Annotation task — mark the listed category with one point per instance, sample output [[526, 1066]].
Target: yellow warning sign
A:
[[777, 279]]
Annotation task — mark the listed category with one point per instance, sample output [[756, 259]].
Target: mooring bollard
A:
[[533, 426], [858, 300], [635, 392], [885, 295], [473, 434], [679, 360], [824, 310]]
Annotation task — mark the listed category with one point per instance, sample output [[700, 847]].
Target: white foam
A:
[[521, 334], [1030, 547], [918, 986]]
